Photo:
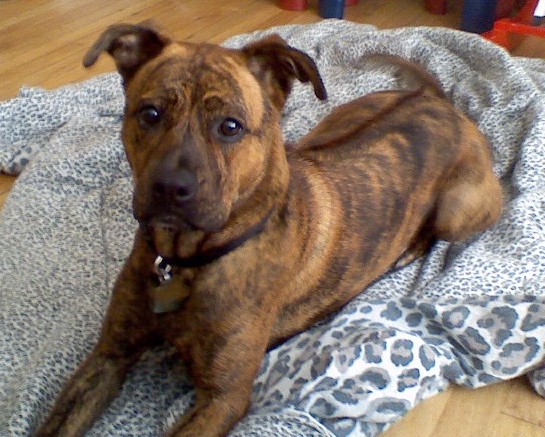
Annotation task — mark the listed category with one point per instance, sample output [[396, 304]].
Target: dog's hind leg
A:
[[418, 248], [471, 198]]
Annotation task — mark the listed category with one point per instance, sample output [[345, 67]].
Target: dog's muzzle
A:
[[167, 199], [174, 187]]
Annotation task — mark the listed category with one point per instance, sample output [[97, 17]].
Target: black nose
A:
[[176, 186]]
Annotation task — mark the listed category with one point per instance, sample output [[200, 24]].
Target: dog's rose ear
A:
[[130, 45], [277, 64]]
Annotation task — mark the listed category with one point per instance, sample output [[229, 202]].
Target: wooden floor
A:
[[42, 43]]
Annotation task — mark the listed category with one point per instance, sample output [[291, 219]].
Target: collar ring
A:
[[162, 269]]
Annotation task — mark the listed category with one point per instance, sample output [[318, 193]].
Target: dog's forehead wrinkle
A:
[[218, 94], [165, 65], [183, 60], [217, 105], [217, 73], [169, 94]]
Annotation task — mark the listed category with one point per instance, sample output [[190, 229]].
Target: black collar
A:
[[211, 255]]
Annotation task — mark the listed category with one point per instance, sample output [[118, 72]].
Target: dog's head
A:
[[202, 131]]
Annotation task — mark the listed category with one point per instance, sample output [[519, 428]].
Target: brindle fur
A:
[[377, 180]]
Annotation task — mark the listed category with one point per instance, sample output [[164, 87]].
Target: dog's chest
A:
[[169, 288], [185, 303]]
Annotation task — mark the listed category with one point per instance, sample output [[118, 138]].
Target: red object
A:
[[505, 30], [439, 7], [293, 5], [350, 2], [504, 8]]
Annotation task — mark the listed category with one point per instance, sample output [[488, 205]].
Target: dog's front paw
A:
[[84, 397], [214, 418], [49, 429]]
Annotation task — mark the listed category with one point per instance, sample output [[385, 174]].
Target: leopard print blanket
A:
[[469, 314]]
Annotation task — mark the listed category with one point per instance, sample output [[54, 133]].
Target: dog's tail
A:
[[410, 72]]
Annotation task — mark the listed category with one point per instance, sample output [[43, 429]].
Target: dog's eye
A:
[[230, 128], [149, 115]]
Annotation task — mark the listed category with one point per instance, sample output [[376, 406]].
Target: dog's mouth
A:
[[168, 223], [178, 225], [171, 236]]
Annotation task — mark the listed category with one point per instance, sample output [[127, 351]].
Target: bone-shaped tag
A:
[[168, 296]]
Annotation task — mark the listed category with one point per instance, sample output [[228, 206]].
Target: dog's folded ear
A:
[[276, 65], [130, 45]]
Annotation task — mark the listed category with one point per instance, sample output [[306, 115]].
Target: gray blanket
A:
[[469, 314]]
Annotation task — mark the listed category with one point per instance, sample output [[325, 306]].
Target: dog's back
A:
[[409, 167]]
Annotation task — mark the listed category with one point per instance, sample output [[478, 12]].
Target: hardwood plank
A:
[[508, 409], [42, 42], [423, 418], [479, 413], [474, 411], [6, 182], [523, 403]]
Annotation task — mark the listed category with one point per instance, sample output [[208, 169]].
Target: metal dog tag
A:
[[168, 296], [170, 293]]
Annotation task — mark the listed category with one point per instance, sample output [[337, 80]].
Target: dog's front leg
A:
[[225, 363], [127, 330], [90, 389]]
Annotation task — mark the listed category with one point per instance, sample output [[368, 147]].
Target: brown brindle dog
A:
[[242, 243]]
